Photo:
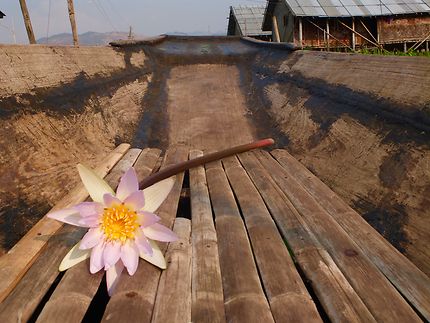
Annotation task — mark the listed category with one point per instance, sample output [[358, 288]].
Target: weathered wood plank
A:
[[335, 294], [173, 301], [244, 298], [135, 295], [78, 286], [403, 274], [18, 260], [207, 294], [383, 300], [27, 294], [288, 298]]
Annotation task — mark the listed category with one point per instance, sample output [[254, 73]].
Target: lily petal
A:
[[128, 184], [160, 233], [111, 254], [96, 262], [143, 244], [90, 221], [112, 276], [157, 193], [70, 216], [110, 200], [92, 238], [157, 258], [146, 219], [74, 257], [89, 209], [95, 185], [130, 257], [135, 200]]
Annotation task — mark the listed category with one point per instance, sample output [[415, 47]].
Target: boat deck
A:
[[261, 240]]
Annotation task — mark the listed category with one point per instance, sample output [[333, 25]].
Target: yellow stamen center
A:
[[119, 223]]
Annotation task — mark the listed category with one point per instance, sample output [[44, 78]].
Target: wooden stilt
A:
[[328, 34], [73, 22], [353, 34], [275, 29], [27, 22], [300, 33]]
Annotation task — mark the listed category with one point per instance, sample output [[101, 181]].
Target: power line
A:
[[104, 14], [49, 18]]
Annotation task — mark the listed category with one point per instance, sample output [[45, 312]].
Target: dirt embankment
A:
[[60, 106], [362, 125]]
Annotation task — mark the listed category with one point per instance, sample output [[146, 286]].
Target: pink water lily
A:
[[122, 226]]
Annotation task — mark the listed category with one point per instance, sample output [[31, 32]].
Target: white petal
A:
[[127, 185], [70, 216], [130, 257], [95, 185], [113, 275], [111, 254], [97, 262], [74, 257], [157, 258], [92, 238], [89, 209], [157, 193], [160, 232], [135, 200], [109, 200]]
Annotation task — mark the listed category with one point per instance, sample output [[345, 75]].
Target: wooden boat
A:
[[358, 123]]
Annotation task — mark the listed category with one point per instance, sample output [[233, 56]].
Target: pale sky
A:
[[148, 17]]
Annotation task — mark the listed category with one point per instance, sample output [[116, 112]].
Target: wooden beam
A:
[[19, 259], [300, 33], [27, 22], [73, 22], [353, 34], [327, 27], [275, 30]]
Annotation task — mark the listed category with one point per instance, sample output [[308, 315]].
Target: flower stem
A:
[[180, 167]]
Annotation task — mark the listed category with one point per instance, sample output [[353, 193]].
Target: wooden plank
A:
[[338, 299], [408, 279], [173, 302], [288, 298], [383, 300], [207, 294], [78, 286], [27, 294], [18, 260], [244, 299], [25, 297], [134, 297]]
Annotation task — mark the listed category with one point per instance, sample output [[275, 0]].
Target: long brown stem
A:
[[180, 167]]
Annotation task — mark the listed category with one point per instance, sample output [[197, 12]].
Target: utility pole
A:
[[130, 33], [27, 22], [73, 22]]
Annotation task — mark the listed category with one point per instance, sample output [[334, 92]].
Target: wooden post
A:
[[405, 47], [328, 34], [275, 30], [27, 22], [300, 32], [427, 45], [353, 34], [73, 22]]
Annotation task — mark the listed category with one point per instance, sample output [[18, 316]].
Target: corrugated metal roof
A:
[[357, 8], [250, 20]]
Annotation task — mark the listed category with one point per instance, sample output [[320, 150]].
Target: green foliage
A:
[[378, 51]]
